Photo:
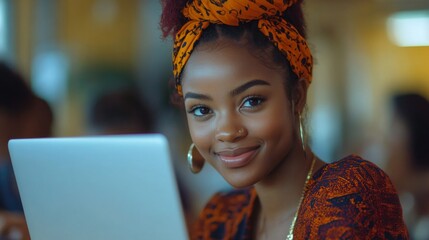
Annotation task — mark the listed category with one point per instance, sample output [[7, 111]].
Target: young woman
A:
[[243, 69]]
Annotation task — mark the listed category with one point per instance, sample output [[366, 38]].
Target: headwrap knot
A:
[[202, 13]]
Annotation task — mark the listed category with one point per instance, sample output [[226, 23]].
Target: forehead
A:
[[227, 60]]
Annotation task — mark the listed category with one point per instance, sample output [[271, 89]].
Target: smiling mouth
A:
[[238, 157]]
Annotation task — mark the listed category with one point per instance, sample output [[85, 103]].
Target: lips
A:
[[238, 157]]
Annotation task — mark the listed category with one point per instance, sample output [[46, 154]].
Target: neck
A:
[[279, 194]]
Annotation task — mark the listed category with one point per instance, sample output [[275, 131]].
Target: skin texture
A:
[[243, 123], [261, 111]]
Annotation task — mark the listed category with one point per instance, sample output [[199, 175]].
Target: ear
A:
[[299, 95]]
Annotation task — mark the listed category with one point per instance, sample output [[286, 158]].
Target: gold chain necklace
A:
[[292, 225]]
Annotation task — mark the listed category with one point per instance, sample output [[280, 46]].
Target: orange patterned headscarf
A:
[[202, 13]]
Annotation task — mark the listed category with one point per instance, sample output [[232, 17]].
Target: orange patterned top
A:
[[348, 199]]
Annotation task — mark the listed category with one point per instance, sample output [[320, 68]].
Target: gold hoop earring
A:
[[302, 133], [195, 160]]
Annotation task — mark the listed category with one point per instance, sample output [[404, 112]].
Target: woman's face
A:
[[239, 115]]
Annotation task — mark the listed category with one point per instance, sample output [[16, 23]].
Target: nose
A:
[[230, 129]]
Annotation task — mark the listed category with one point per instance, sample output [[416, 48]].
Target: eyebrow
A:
[[234, 92], [197, 96], [248, 85]]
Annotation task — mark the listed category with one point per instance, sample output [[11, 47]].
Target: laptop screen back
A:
[[120, 187]]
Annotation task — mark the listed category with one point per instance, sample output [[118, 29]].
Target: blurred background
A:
[[75, 52]]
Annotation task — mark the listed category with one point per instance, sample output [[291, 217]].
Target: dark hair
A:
[[15, 95], [413, 109], [172, 20]]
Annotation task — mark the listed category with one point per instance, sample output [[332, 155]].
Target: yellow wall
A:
[[24, 19], [80, 32], [89, 34], [395, 67], [358, 68]]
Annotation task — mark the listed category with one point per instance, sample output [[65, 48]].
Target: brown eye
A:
[[251, 102], [200, 111]]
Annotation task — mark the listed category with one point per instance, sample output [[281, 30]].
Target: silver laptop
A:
[[107, 188]]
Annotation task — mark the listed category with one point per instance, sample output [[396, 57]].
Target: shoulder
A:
[[354, 182], [352, 197], [354, 173], [224, 214]]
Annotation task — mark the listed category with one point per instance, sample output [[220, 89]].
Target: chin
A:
[[239, 185], [240, 179]]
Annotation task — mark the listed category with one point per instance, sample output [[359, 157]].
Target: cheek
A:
[[272, 125], [201, 134]]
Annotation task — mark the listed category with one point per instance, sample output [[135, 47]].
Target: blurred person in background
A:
[[120, 112], [22, 115], [408, 159]]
